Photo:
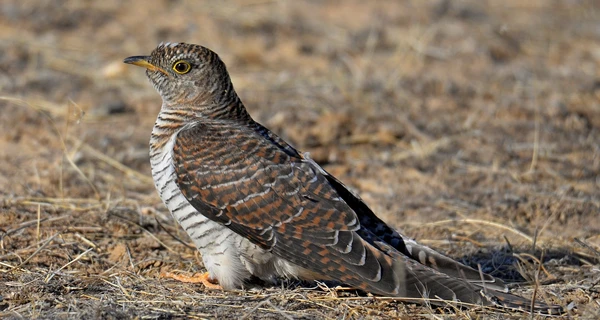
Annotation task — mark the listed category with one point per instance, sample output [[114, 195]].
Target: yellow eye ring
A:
[[182, 67]]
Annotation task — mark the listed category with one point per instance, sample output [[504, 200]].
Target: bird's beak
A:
[[143, 61]]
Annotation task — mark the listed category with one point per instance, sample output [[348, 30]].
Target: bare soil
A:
[[473, 126]]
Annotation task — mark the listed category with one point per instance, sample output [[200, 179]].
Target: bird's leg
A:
[[203, 278]]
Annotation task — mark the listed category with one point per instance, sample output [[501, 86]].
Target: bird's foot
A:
[[203, 278]]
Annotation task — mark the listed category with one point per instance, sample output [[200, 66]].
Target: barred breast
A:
[[228, 257]]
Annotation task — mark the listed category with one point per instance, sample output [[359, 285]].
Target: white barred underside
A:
[[228, 257]]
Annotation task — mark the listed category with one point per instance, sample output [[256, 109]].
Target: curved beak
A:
[[144, 61]]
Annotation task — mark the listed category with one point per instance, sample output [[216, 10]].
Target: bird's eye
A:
[[182, 67]]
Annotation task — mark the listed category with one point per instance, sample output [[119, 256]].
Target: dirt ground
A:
[[473, 126]]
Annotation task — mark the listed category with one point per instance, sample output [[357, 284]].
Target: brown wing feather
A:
[[279, 202], [381, 230]]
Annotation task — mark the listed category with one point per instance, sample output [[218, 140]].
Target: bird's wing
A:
[[233, 175], [390, 236]]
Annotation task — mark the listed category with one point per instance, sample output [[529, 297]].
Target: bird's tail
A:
[[420, 281], [513, 302]]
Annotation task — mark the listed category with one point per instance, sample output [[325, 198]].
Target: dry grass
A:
[[473, 126]]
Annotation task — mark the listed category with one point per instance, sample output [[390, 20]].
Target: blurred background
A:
[[474, 126]]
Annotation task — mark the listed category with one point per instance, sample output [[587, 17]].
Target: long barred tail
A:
[[513, 302], [421, 281]]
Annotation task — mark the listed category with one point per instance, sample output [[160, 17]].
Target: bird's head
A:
[[186, 74]]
